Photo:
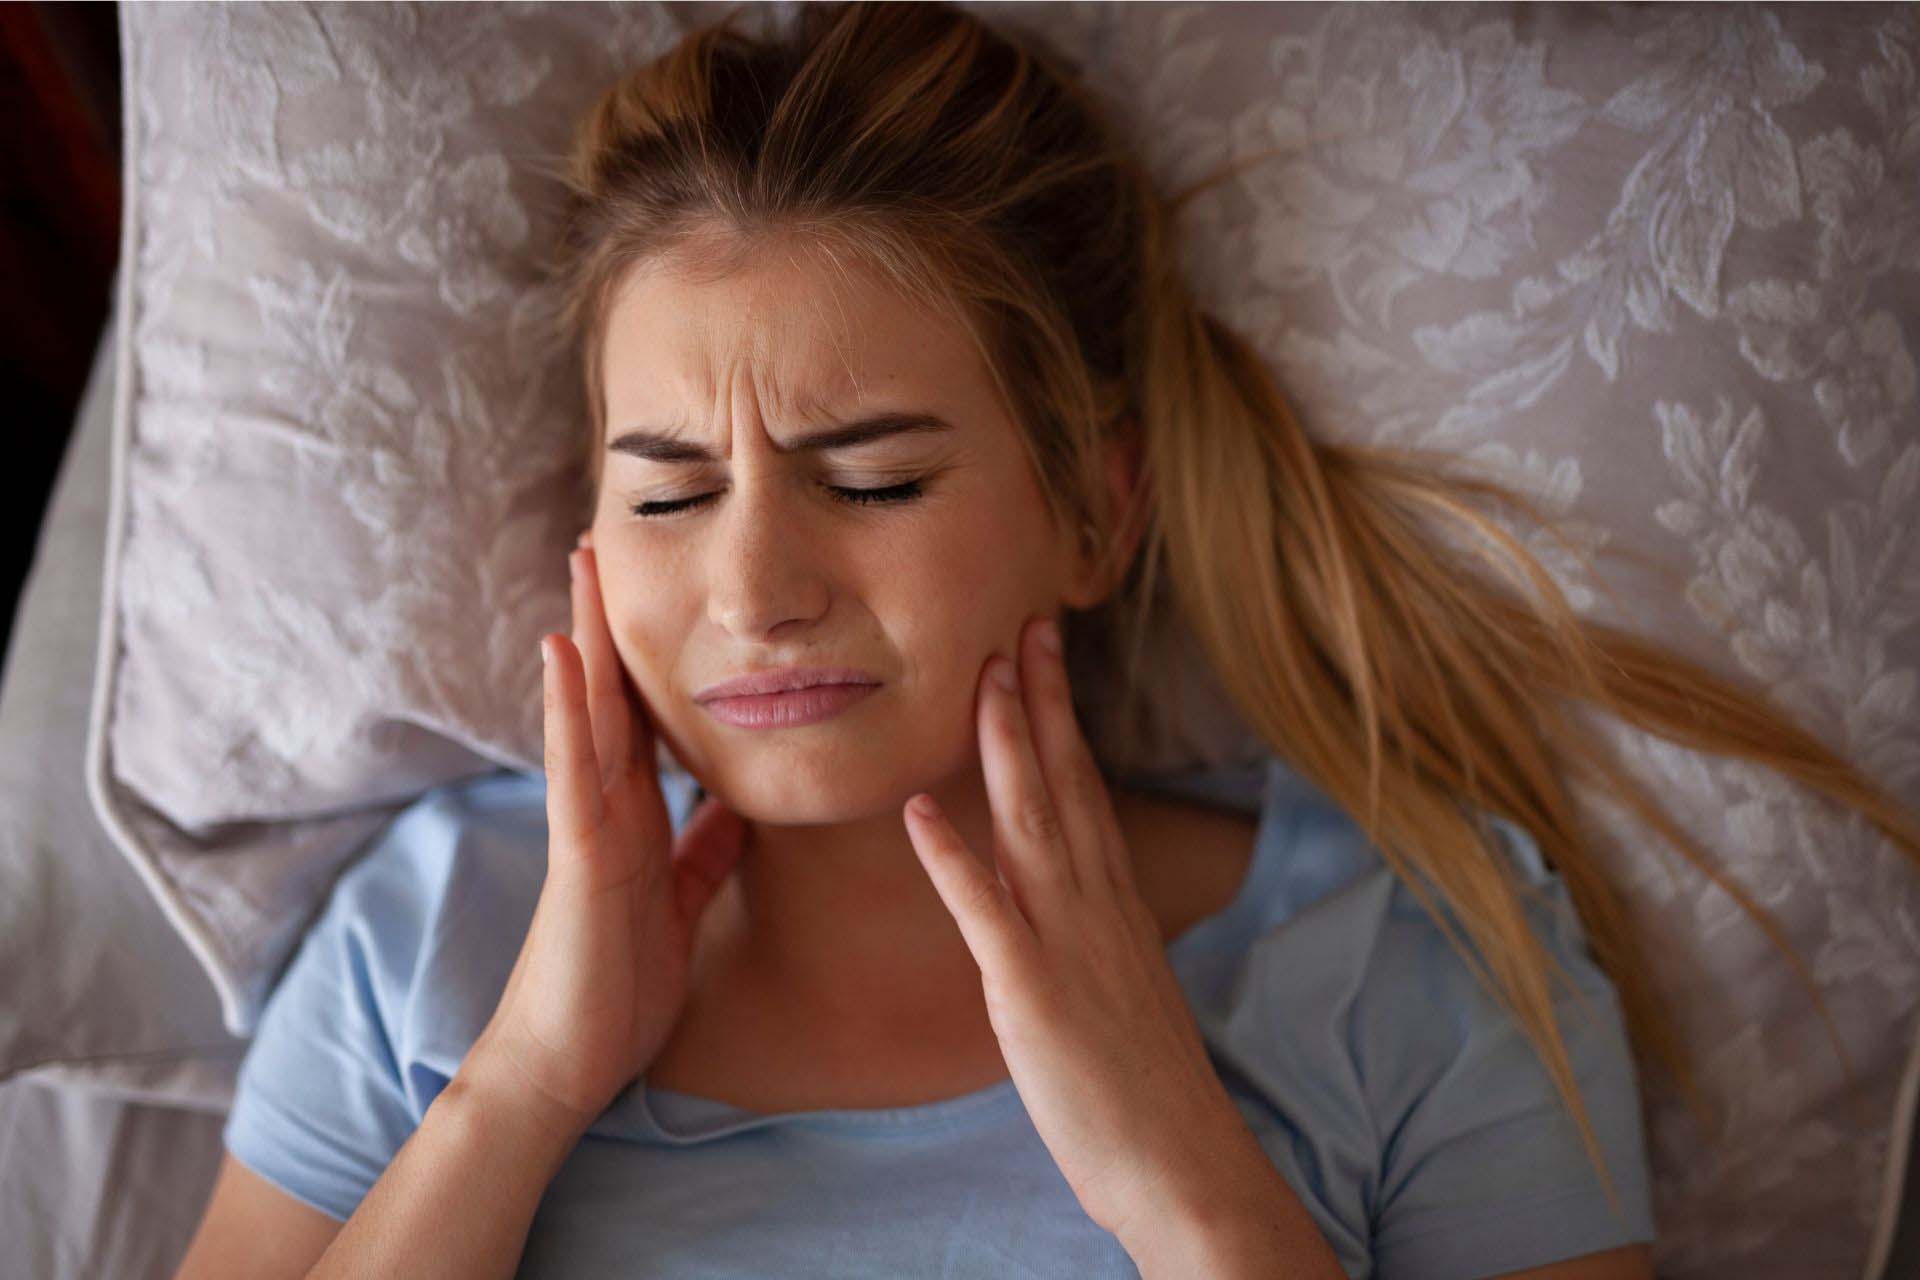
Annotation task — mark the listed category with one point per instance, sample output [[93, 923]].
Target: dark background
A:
[[59, 242]]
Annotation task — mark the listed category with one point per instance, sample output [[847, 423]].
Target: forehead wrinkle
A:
[[767, 347], [768, 378], [794, 389]]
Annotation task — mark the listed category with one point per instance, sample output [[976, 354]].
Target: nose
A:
[[764, 575]]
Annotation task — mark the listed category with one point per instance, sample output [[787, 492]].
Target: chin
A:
[[791, 802], [797, 783]]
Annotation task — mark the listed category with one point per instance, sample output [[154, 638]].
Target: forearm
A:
[[459, 1197], [1232, 1216]]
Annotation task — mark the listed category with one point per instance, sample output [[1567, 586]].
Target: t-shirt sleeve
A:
[[391, 985], [1482, 1168], [320, 1106]]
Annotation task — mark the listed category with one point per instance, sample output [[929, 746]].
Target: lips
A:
[[790, 709], [783, 680]]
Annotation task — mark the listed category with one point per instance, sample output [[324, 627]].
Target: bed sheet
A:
[[94, 980], [93, 1186]]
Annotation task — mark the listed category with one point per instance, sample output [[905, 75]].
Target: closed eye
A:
[[906, 492]]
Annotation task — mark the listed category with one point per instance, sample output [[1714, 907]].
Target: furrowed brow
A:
[[663, 446]]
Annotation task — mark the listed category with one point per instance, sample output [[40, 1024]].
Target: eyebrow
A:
[[660, 446]]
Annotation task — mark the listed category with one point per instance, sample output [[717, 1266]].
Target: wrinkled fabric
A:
[[1401, 1104]]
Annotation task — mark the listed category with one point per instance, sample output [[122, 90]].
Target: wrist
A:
[[1229, 1215], [492, 1092]]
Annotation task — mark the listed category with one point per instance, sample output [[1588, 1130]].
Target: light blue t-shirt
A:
[[1399, 1101]]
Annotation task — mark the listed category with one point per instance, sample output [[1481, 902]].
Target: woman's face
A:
[[766, 566]]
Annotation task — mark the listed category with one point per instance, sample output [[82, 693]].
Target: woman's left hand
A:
[[1095, 1028]]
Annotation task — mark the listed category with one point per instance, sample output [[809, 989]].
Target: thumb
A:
[[704, 855]]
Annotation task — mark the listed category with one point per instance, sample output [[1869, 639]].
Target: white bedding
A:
[[111, 1079], [93, 1186]]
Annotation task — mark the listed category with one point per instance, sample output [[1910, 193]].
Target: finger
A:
[[1072, 775], [1026, 823], [573, 775], [996, 932], [704, 855], [609, 707]]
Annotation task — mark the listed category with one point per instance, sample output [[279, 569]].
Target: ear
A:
[[1097, 571]]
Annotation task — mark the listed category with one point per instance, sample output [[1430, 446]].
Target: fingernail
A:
[[585, 539], [924, 806], [1050, 637], [546, 654], [573, 564], [1005, 676]]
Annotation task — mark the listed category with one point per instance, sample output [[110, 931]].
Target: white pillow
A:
[[342, 468], [1649, 262]]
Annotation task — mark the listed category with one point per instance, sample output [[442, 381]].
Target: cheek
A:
[[641, 610], [963, 589], [1000, 559]]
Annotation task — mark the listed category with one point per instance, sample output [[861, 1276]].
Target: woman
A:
[[890, 372]]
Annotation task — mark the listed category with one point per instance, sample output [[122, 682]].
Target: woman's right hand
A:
[[603, 974]]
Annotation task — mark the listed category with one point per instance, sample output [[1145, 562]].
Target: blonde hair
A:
[[1418, 687]]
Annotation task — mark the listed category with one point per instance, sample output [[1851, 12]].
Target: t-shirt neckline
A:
[[684, 1118]]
